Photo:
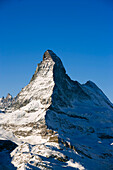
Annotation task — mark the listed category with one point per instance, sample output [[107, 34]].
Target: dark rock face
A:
[[66, 90], [6, 147]]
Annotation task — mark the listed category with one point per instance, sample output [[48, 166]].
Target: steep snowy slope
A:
[[59, 123]]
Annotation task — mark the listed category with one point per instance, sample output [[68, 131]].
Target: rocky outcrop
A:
[[5, 103]]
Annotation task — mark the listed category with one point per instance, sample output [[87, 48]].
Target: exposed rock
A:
[[9, 97], [5, 103]]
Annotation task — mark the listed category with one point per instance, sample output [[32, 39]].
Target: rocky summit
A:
[[57, 123], [5, 102]]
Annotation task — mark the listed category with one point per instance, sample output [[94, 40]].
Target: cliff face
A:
[[58, 122]]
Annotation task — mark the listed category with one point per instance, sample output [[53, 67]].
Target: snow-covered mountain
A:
[[59, 123], [5, 103]]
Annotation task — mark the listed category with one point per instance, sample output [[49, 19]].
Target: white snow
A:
[[75, 165]]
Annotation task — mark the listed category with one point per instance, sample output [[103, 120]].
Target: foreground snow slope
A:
[[59, 123]]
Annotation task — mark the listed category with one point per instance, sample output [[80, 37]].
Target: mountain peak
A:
[[58, 68], [49, 54], [9, 96]]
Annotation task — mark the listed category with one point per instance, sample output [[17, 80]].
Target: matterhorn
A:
[[56, 123]]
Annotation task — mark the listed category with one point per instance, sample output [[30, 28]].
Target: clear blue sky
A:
[[79, 31]]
